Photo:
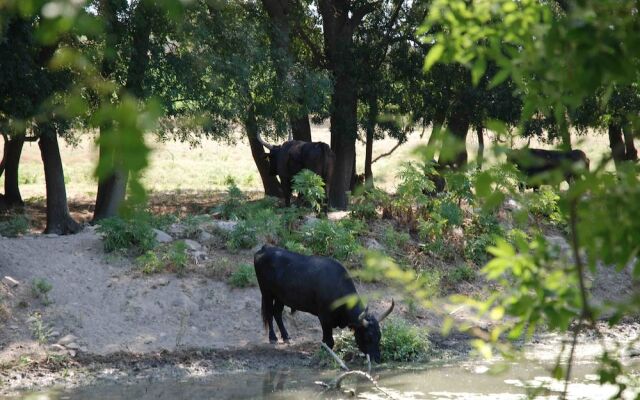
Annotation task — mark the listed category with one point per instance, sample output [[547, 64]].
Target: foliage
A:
[[403, 342], [243, 236], [413, 187], [13, 225], [545, 203], [231, 207], [365, 205], [310, 186], [171, 257], [243, 276], [394, 240], [480, 234], [334, 239], [39, 329], [462, 273], [41, 288], [133, 232]]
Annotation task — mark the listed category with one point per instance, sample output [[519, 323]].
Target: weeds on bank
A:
[[172, 258], [13, 225], [243, 276], [41, 288]]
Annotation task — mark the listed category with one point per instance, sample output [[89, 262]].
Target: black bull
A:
[[536, 163], [319, 286], [293, 156]]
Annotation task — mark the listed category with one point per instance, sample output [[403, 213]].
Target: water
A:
[[469, 381]]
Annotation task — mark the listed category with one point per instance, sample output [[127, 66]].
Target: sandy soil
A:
[[120, 320]]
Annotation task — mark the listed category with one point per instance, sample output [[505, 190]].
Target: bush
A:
[[462, 273], [327, 238], [366, 205], [310, 186], [149, 262], [171, 257], [13, 225], [233, 204], [242, 237], [403, 342], [451, 212], [394, 240], [41, 288], [244, 276], [133, 233], [544, 203]]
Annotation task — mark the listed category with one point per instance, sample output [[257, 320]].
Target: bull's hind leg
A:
[[267, 317], [277, 313]]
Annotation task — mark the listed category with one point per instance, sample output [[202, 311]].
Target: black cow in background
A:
[[291, 157], [535, 163], [317, 285]]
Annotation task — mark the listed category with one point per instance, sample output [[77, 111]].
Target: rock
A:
[[72, 346], [9, 281], [337, 215], [310, 220], [67, 339], [199, 256], [57, 347], [224, 226], [72, 353], [372, 244], [559, 243], [204, 236], [176, 229], [83, 349], [162, 237], [54, 334], [50, 235], [192, 245], [512, 205]]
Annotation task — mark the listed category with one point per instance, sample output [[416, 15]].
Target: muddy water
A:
[[450, 382]]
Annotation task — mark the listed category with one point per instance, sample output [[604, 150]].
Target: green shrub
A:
[[414, 186], [462, 273], [451, 212], [171, 257], [544, 203], [244, 276], [296, 247], [231, 207], [394, 240], [365, 206], [134, 233], [41, 288], [403, 342], [481, 234], [310, 186], [13, 225], [331, 239], [242, 237]]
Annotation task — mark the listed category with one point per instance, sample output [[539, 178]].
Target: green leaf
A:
[[433, 57], [478, 70]]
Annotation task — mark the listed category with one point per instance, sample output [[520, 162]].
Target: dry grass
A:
[[180, 172]]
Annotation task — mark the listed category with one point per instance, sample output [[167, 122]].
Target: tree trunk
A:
[[301, 128], [630, 148], [112, 188], [458, 125], [13, 148], [480, 157], [616, 144], [372, 118], [269, 182], [59, 220]]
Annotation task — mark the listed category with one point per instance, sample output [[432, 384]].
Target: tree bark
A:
[[458, 126], [12, 197], [59, 220], [301, 128], [372, 118], [112, 188], [269, 182], [480, 157], [630, 147], [616, 144]]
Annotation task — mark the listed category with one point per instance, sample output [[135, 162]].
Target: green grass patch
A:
[[243, 276], [13, 225]]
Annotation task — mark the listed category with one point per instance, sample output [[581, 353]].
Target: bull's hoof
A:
[[286, 340]]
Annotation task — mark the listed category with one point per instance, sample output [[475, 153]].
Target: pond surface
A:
[[451, 382]]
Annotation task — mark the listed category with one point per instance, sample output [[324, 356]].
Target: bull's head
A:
[[368, 333], [272, 156]]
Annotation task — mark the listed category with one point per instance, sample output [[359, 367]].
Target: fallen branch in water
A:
[[336, 384]]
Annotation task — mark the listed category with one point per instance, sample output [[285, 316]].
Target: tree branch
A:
[[359, 13], [335, 357], [387, 153], [318, 58]]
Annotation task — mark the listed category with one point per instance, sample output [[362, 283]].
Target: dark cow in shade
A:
[[291, 157], [320, 286], [536, 163]]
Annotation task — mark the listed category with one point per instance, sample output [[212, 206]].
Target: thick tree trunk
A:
[[630, 147], [59, 220], [480, 157], [301, 128], [112, 188], [458, 125], [13, 148], [269, 182], [372, 118], [616, 144]]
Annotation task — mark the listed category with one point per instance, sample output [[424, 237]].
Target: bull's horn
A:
[[362, 318], [262, 142], [386, 313], [290, 135]]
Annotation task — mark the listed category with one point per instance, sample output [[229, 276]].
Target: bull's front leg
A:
[[327, 332], [286, 191]]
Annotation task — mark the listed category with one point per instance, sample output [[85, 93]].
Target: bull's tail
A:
[[266, 311]]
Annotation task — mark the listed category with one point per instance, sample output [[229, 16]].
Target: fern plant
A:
[[310, 187]]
